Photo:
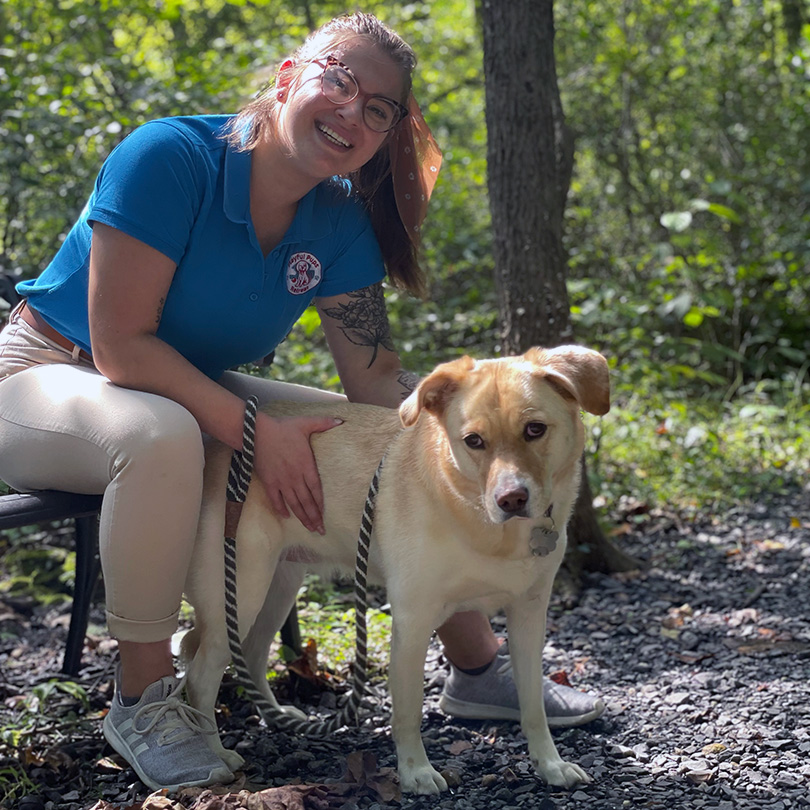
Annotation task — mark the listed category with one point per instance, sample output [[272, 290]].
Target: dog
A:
[[482, 463]]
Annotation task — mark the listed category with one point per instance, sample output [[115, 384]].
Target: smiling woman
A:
[[360, 53], [203, 241]]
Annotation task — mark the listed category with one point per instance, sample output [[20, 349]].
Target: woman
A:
[[203, 241]]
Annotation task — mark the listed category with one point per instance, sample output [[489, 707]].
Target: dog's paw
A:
[[233, 760], [424, 779], [561, 773]]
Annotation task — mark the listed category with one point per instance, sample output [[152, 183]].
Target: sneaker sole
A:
[[483, 711], [120, 745]]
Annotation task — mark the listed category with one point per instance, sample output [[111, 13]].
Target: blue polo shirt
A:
[[177, 185]]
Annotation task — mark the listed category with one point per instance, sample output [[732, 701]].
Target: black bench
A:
[[51, 505]]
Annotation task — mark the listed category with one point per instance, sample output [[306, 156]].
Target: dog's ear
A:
[[579, 373], [434, 392]]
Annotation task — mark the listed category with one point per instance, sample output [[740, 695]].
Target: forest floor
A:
[[702, 657]]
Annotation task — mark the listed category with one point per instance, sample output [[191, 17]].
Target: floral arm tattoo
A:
[[364, 320], [408, 380]]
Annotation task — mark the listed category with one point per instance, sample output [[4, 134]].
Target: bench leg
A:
[[291, 633], [88, 568]]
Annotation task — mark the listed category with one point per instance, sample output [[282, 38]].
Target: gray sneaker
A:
[[492, 695], [163, 738]]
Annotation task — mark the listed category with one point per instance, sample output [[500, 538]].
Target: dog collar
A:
[[542, 540]]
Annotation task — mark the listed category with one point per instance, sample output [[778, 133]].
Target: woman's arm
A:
[[129, 282], [359, 337]]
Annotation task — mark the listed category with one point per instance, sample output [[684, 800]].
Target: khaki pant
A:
[[65, 426]]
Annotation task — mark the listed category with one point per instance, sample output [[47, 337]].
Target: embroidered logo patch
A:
[[303, 273]]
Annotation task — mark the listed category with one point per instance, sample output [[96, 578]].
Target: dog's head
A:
[[512, 425]]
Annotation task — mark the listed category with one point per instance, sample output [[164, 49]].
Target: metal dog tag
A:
[[543, 541]]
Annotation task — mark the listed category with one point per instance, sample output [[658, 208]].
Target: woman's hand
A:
[[285, 464]]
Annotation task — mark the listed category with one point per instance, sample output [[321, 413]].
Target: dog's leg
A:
[[277, 605], [409, 644], [256, 562], [526, 624]]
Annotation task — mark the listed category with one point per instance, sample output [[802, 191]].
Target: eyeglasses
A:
[[339, 85]]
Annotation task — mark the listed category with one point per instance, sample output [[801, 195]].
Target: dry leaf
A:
[[560, 677], [306, 666], [108, 765], [361, 769], [159, 800], [359, 766], [459, 746]]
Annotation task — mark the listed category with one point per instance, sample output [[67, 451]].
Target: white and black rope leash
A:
[[239, 477]]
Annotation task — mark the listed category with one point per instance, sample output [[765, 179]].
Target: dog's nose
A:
[[513, 501]]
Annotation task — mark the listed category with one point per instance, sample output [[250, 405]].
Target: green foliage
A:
[[700, 456], [53, 698], [324, 617], [45, 572], [688, 214]]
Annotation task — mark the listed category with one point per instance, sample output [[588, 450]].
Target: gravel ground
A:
[[702, 657]]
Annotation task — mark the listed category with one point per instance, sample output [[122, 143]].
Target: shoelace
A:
[[180, 721]]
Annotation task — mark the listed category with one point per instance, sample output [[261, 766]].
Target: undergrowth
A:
[[700, 456]]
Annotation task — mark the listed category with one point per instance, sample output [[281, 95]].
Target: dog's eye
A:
[[534, 430], [474, 441]]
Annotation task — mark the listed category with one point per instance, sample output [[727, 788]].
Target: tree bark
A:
[[530, 158]]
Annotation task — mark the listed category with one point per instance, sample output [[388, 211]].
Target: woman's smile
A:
[[332, 136]]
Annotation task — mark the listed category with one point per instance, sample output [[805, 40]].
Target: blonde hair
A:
[[372, 182]]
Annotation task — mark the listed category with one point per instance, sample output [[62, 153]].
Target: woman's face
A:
[[324, 138]]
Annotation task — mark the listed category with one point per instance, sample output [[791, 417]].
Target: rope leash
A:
[[239, 476]]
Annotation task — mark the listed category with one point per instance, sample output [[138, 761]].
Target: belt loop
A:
[[15, 312], [75, 352]]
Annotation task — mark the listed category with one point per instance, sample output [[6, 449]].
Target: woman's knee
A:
[[161, 437]]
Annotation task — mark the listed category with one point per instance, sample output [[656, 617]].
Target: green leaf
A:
[[724, 212], [677, 220], [693, 318]]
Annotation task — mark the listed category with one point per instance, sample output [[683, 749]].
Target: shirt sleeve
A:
[[358, 261], [151, 187]]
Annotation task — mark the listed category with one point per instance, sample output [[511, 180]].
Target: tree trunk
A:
[[529, 159], [530, 156]]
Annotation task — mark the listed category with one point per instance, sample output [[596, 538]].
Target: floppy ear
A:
[[579, 373], [434, 392]]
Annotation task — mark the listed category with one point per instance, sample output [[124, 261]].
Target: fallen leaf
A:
[[306, 666], [359, 766], [361, 769], [459, 746], [560, 677], [159, 800], [386, 786], [713, 748], [108, 765]]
